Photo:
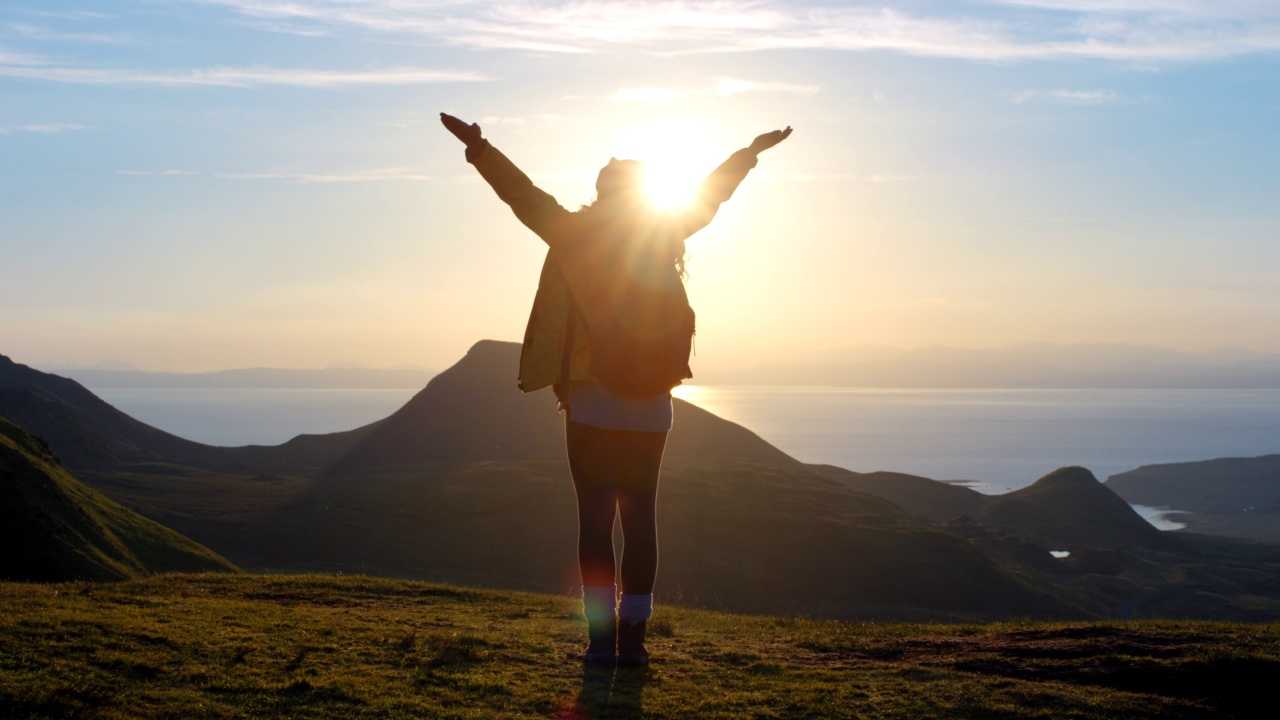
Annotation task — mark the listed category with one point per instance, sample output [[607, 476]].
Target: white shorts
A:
[[594, 404]]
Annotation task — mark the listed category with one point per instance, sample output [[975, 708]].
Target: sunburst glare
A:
[[675, 154]]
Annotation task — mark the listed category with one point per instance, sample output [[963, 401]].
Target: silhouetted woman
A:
[[611, 329]]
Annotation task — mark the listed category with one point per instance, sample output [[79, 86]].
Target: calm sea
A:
[[996, 439]]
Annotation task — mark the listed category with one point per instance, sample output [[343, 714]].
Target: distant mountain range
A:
[[1032, 365], [467, 484]]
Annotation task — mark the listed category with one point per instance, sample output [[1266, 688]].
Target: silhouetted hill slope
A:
[[52, 527], [1070, 509], [62, 412], [1238, 497], [473, 411], [87, 432], [922, 496]]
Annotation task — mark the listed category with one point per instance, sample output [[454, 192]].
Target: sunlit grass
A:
[[323, 646]]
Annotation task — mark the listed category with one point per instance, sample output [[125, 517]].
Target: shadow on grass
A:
[[613, 694]]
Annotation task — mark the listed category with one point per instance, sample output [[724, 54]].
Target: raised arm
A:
[[720, 185], [538, 210]]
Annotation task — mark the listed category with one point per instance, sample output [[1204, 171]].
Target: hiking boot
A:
[[631, 650], [602, 649]]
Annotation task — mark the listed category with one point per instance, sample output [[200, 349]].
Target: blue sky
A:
[[191, 185]]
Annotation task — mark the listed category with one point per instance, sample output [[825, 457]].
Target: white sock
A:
[[599, 603], [635, 608]]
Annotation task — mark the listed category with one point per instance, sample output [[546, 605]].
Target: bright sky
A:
[[194, 185]]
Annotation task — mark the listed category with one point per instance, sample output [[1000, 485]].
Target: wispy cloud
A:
[[1069, 97], [154, 173], [240, 77], [1125, 30], [13, 57], [42, 34], [371, 175], [721, 87], [520, 121], [46, 128], [651, 95], [799, 176], [733, 86]]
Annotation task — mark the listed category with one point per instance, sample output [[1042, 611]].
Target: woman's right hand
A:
[[768, 140], [468, 134]]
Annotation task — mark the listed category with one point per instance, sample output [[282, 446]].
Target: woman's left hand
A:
[[768, 140]]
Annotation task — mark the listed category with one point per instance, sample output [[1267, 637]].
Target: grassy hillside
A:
[[53, 527], [355, 647], [828, 550], [825, 549]]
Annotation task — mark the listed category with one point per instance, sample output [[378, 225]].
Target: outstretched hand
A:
[[768, 140], [468, 134]]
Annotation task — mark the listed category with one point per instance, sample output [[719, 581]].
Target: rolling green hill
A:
[[358, 647], [52, 527]]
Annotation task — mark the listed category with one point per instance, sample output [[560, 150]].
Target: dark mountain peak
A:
[[81, 427], [493, 348], [13, 374], [474, 411], [1069, 509], [1072, 477]]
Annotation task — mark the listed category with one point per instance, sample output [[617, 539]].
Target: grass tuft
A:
[[662, 627]]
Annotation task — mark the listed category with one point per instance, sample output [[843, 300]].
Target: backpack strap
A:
[[567, 356]]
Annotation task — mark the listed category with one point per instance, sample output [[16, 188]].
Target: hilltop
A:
[[473, 411], [356, 647], [53, 527], [1071, 510]]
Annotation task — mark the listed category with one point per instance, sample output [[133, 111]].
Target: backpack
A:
[[648, 358]]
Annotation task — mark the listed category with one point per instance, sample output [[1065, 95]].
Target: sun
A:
[[674, 153], [670, 185]]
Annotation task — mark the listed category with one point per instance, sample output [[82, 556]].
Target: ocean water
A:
[[231, 417], [992, 440], [999, 440]]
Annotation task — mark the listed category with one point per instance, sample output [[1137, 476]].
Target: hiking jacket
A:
[[596, 257]]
